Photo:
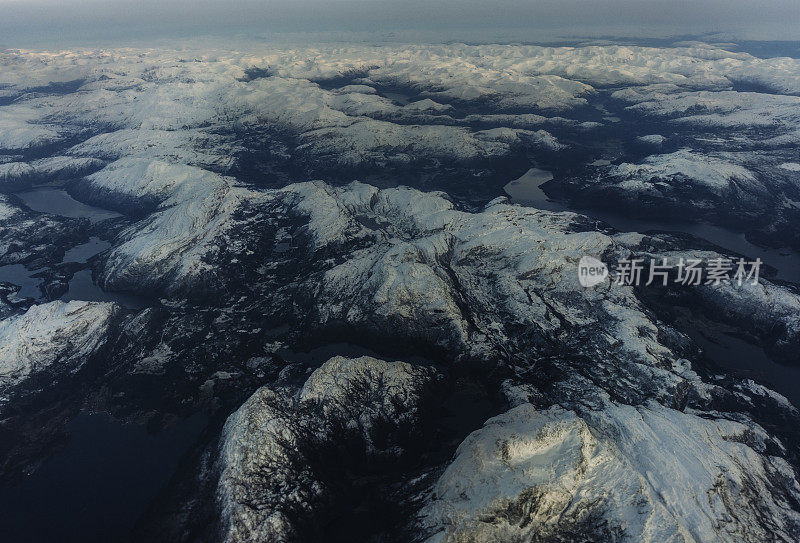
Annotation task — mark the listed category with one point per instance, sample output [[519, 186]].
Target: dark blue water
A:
[[96, 488], [82, 287], [745, 360], [769, 49], [82, 253], [526, 191], [56, 201], [19, 275]]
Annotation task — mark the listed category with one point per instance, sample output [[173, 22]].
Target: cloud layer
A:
[[91, 20]]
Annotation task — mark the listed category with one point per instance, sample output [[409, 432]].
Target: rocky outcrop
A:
[[48, 343], [278, 453], [36, 239]]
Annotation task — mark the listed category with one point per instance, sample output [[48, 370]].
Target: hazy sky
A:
[[23, 22]]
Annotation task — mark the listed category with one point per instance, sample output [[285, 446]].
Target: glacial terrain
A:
[[303, 293]]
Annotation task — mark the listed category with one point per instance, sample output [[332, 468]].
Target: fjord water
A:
[[85, 251], [19, 275], [57, 201], [102, 481], [96, 488], [527, 190], [82, 287]]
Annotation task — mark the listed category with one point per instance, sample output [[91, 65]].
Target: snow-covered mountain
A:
[[313, 249]]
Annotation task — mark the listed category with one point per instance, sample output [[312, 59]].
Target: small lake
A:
[[57, 201], [95, 488], [527, 190], [19, 275], [397, 97], [82, 253], [81, 287]]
